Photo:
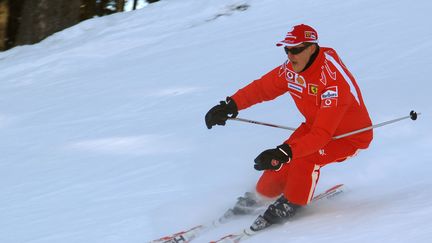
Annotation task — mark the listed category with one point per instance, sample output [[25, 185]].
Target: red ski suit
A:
[[327, 95]]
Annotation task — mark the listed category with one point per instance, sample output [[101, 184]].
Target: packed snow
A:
[[103, 137]]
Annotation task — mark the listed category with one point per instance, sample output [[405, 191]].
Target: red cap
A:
[[299, 34]]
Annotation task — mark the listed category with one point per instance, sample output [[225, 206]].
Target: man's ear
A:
[[313, 49]]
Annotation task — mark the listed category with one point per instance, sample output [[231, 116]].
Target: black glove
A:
[[273, 159], [220, 113]]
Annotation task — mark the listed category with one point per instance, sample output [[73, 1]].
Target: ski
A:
[[183, 236], [190, 234], [247, 232]]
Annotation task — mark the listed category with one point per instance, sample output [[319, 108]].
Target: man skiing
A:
[[327, 95]]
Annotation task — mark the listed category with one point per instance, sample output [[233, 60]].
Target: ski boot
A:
[[277, 213], [248, 204]]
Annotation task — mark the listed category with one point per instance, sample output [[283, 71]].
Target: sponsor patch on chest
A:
[[293, 77], [300, 80], [295, 87], [331, 92], [327, 103], [330, 97], [290, 75]]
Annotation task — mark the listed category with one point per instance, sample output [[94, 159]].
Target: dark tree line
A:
[[30, 21]]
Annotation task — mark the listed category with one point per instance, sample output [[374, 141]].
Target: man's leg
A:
[[304, 173], [300, 178], [272, 183]]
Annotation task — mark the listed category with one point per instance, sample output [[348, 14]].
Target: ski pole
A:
[[413, 115], [261, 123]]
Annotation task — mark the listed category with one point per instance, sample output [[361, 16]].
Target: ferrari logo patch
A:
[[313, 89], [310, 35]]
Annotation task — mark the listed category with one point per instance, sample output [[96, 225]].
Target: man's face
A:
[[299, 55]]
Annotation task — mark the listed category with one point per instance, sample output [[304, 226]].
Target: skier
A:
[[328, 96]]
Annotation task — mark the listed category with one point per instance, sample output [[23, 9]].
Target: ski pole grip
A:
[[413, 115]]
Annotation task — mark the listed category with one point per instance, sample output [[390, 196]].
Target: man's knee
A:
[[270, 184]]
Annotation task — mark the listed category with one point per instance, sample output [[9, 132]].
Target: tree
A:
[[41, 18], [88, 9], [135, 3], [4, 15], [29, 21], [13, 22], [120, 4]]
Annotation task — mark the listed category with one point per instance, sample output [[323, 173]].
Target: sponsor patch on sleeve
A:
[[330, 97], [295, 87]]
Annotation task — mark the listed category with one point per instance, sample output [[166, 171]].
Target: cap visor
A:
[[281, 43]]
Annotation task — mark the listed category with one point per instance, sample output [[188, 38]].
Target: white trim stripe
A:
[[314, 177], [353, 90], [298, 96]]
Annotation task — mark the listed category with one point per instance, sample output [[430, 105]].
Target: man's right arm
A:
[[268, 87]]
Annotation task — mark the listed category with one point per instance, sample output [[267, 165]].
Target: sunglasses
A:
[[297, 50]]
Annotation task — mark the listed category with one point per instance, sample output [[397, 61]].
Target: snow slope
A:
[[103, 137]]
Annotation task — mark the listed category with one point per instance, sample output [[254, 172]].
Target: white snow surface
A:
[[103, 137]]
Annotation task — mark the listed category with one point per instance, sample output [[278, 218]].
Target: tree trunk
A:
[[14, 21], [135, 4], [4, 15], [101, 8], [41, 18], [120, 5], [88, 9]]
